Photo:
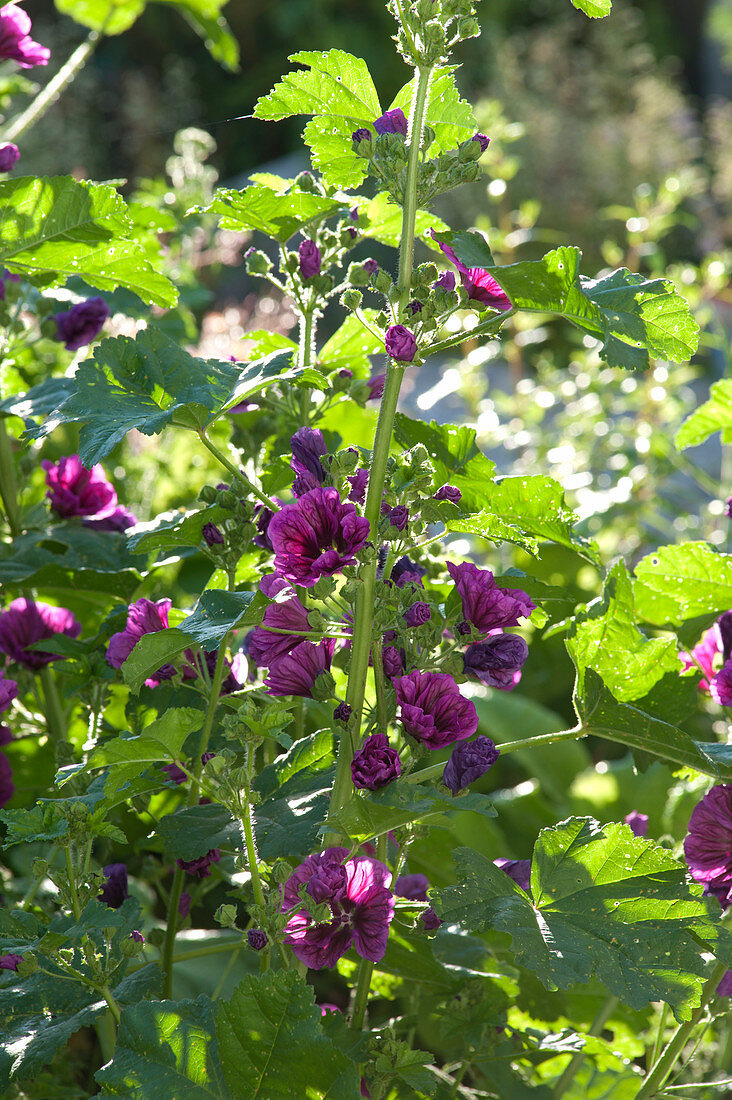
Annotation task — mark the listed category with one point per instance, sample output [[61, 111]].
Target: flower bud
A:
[[362, 142], [225, 915], [306, 181], [257, 262], [351, 299], [384, 282], [207, 494], [324, 687], [257, 939], [468, 28], [359, 275]]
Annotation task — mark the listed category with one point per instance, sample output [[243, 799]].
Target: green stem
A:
[[306, 354], [664, 1065], [510, 746], [660, 1032], [8, 483], [177, 888], [107, 1034], [237, 473], [605, 1012], [380, 685], [364, 614], [71, 874], [366, 969], [54, 711], [113, 1006], [487, 328], [54, 88]]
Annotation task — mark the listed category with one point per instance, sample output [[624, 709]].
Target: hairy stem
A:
[[237, 473], [55, 715]]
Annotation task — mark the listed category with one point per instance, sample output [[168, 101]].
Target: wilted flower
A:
[[358, 483], [468, 762], [391, 122], [708, 844], [257, 939], [418, 614], [26, 621], [8, 692], [480, 285], [485, 605], [114, 891], [342, 713], [360, 902], [296, 673], [82, 323], [16, 43], [448, 492], [398, 517], [287, 614], [432, 709], [310, 259], [401, 343], [517, 869], [375, 764], [308, 446], [316, 536], [637, 822], [200, 867], [9, 156], [211, 535], [497, 661]]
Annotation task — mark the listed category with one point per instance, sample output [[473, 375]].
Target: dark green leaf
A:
[[676, 583], [471, 247], [151, 653], [272, 1044], [163, 739], [70, 556], [38, 402], [456, 456], [368, 815], [385, 223], [192, 832], [171, 530], [217, 612], [309, 752], [288, 822]]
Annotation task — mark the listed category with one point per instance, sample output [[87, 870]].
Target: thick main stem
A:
[[54, 88], [363, 620]]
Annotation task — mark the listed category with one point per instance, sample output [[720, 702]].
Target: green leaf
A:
[[70, 556], [147, 383], [604, 903], [596, 9], [166, 1049], [350, 345], [287, 823], [715, 415], [171, 530], [69, 227], [367, 816], [609, 641], [103, 15], [39, 401], [308, 752], [336, 88], [205, 18], [192, 832], [272, 1044], [279, 215], [39, 823], [470, 246], [217, 612], [163, 739], [151, 652], [450, 117], [676, 583], [457, 458]]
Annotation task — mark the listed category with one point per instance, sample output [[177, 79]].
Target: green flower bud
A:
[[358, 275], [226, 499], [468, 28], [207, 494], [351, 299], [324, 686], [131, 947], [27, 966], [469, 150], [257, 262], [316, 621], [225, 915], [383, 281], [306, 181]]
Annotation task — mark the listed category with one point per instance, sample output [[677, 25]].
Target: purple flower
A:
[[361, 906], [307, 447], [201, 867], [118, 520], [296, 672], [517, 869], [728, 508], [497, 661], [724, 989], [8, 692], [263, 516], [480, 285], [5, 735], [316, 536], [25, 621], [414, 307], [310, 259], [704, 655], [398, 517], [406, 571], [482, 140], [391, 122], [358, 483], [469, 762], [327, 1007], [430, 920], [257, 939], [288, 613], [708, 844], [212, 536], [720, 688], [175, 773], [376, 387], [392, 660], [432, 709], [184, 904], [485, 605], [446, 281], [638, 823], [418, 614], [114, 891], [15, 41], [401, 344], [413, 887], [82, 323], [448, 492], [362, 134], [371, 266], [9, 156], [143, 617], [73, 490], [375, 764], [137, 937], [7, 787], [342, 713], [10, 962]]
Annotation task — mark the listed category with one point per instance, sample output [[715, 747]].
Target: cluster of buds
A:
[[429, 29]]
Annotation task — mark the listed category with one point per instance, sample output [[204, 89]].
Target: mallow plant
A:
[[271, 777]]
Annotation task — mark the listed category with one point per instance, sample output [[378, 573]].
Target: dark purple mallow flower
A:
[[143, 617], [401, 343], [82, 323], [414, 307], [316, 536], [16, 43], [297, 671], [724, 989], [371, 266], [720, 688], [26, 621], [257, 939], [75, 491], [9, 156], [118, 520], [362, 134], [517, 869], [288, 613], [391, 122], [263, 517], [398, 516], [392, 660], [10, 962], [446, 281], [418, 614], [358, 482], [184, 904], [201, 867], [114, 891], [7, 787], [448, 492], [406, 571], [360, 902], [468, 762], [432, 709], [728, 508], [430, 920], [637, 822], [211, 535], [342, 713], [480, 285], [137, 937], [8, 692], [708, 843], [497, 661], [413, 887], [376, 387], [310, 259], [175, 773], [308, 446], [375, 764], [485, 605], [6, 735], [483, 140]]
